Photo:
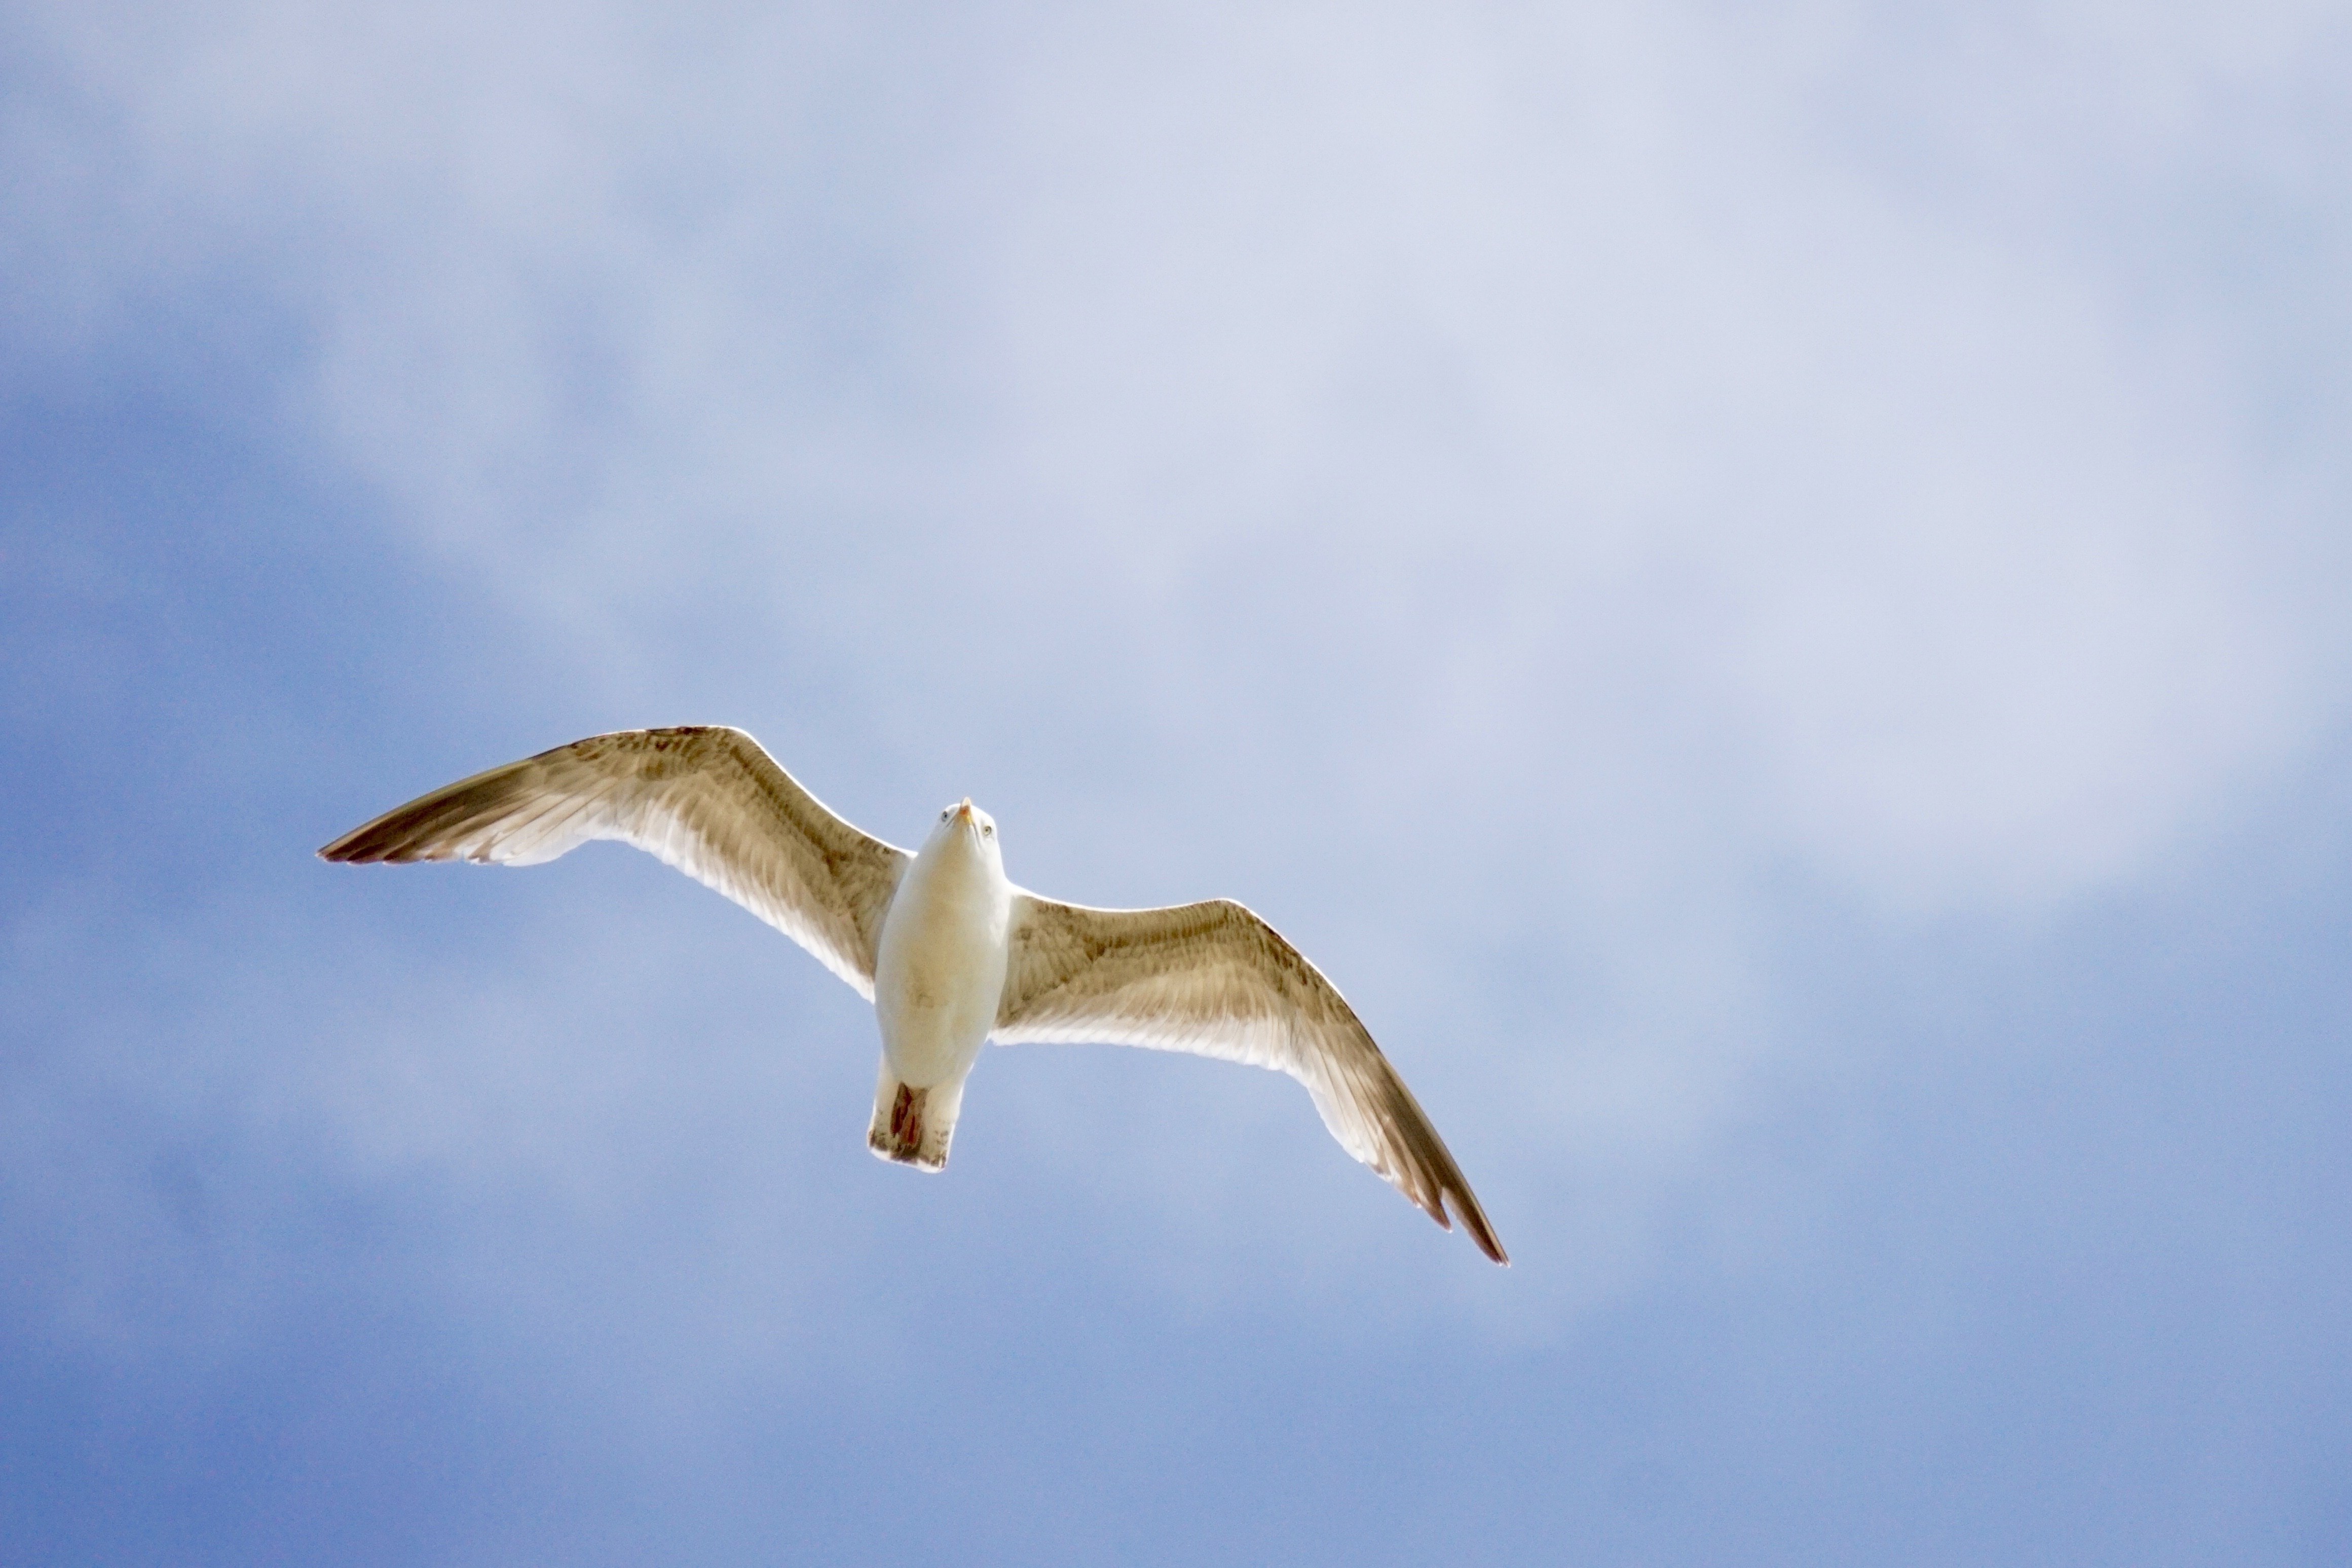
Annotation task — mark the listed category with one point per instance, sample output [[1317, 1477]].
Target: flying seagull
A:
[[949, 953]]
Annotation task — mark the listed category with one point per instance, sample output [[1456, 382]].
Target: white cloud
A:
[[1572, 368]]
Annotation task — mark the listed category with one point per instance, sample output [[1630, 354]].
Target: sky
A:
[[1761, 586]]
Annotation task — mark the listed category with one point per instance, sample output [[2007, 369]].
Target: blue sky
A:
[[1761, 587]]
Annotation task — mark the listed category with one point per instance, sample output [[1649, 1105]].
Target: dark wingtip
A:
[[387, 838], [1474, 1220], [352, 848]]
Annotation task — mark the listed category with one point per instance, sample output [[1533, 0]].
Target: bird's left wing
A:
[[1215, 980], [706, 799]]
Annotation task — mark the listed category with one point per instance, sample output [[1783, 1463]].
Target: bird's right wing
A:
[[706, 799], [1214, 979]]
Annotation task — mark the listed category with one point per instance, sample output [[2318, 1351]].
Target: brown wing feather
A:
[[706, 799], [1214, 979]]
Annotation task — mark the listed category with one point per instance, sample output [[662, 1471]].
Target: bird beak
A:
[[964, 812]]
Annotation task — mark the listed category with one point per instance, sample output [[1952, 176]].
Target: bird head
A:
[[965, 825]]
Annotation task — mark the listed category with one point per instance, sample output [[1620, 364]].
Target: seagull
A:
[[949, 953]]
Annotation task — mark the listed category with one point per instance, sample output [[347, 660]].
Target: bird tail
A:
[[912, 1126]]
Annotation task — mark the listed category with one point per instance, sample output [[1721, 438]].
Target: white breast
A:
[[939, 972]]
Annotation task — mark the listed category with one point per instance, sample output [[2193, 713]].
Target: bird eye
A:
[[943, 815], [988, 830]]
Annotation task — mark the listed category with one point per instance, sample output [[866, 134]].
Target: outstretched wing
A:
[[1214, 979], [706, 799]]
